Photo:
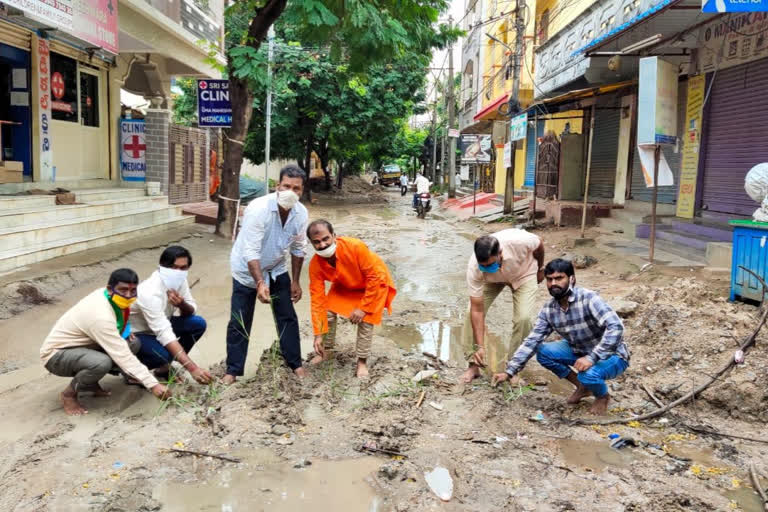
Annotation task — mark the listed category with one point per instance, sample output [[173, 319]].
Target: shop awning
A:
[[580, 94], [491, 111]]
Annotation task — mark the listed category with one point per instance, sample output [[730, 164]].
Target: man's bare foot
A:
[[228, 380], [362, 369], [600, 407], [319, 359], [70, 403], [578, 394], [300, 372], [471, 374]]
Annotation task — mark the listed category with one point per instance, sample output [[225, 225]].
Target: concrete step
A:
[[690, 253], [36, 234], [714, 231], [16, 202], [617, 226], [13, 259], [689, 240], [103, 194], [15, 188], [41, 215]]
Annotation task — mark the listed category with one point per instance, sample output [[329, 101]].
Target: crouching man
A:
[[165, 337], [592, 341], [361, 289], [93, 337]]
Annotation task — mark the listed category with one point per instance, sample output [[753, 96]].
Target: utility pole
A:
[[509, 190], [432, 169], [451, 122], [270, 55]]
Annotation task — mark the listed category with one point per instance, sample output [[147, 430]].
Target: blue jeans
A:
[[188, 329], [558, 357]]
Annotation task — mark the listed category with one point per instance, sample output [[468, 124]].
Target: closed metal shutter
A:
[[736, 127], [605, 147], [15, 36], [666, 194], [530, 152]]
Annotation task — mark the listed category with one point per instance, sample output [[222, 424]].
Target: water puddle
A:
[[746, 498], [595, 455], [338, 485], [436, 338], [386, 213]]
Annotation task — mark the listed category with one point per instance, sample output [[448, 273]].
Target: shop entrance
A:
[[15, 107]]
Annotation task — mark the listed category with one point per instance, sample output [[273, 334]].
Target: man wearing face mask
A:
[[272, 226], [93, 337], [592, 339], [165, 337], [361, 289], [510, 258]]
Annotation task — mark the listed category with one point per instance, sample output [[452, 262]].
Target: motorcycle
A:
[[423, 205]]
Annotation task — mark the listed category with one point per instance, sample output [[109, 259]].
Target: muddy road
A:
[[298, 444]]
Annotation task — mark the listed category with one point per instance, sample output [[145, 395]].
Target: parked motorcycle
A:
[[423, 205]]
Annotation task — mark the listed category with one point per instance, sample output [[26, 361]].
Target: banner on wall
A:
[[734, 40], [475, 149], [689, 168], [657, 102], [57, 13], [44, 95], [95, 21], [133, 150]]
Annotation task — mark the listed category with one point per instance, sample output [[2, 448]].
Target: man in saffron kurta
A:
[[361, 288]]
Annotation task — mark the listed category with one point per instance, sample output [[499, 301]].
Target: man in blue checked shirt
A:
[[592, 341]]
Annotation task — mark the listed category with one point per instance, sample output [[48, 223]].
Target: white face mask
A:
[[328, 251], [287, 199], [172, 278]]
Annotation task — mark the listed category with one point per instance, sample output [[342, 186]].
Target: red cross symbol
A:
[[57, 85], [203, 84], [135, 147]]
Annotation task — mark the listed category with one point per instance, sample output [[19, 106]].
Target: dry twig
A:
[[652, 396], [203, 454], [702, 430], [421, 398], [748, 343], [758, 486]]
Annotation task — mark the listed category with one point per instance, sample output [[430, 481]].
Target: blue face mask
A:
[[489, 269]]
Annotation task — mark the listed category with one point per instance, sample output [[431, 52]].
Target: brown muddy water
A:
[[267, 484]]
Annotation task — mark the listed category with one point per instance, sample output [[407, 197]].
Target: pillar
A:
[[157, 122]]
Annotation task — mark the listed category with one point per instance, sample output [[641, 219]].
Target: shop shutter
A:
[[530, 151], [15, 36], [736, 126], [666, 194], [605, 147]]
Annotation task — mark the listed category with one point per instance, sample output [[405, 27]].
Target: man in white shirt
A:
[[272, 226], [403, 184], [165, 337], [422, 187]]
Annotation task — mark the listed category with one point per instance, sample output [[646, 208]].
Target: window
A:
[[89, 99], [543, 31], [63, 88]]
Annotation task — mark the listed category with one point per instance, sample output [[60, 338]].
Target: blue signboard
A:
[[214, 108], [133, 150], [716, 6]]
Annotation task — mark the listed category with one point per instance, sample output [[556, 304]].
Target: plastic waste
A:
[[618, 442], [440, 482], [756, 186], [423, 375], [738, 357]]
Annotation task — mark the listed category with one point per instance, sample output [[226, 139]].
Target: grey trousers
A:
[[87, 366]]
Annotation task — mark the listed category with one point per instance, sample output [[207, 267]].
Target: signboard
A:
[[646, 152], [133, 150], [518, 127], [657, 104], [464, 172], [214, 109], [475, 148], [507, 155], [689, 168], [95, 21], [44, 97], [57, 13], [733, 40], [734, 5], [453, 132]]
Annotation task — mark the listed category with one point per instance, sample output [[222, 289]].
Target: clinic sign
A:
[[214, 108], [133, 150], [44, 111], [716, 6], [58, 13]]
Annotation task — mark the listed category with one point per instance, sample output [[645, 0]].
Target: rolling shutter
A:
[[15, 36], [530, 151], [666, 194], [605, 147], [736, 127]]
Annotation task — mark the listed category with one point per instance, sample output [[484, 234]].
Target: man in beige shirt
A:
[[94, 336], [510, 258]]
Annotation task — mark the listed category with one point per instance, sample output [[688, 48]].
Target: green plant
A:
[[512, 393]]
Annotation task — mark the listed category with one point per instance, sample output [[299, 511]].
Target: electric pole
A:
[[451, 121], [509, 190], [270, 55], [432, 169]]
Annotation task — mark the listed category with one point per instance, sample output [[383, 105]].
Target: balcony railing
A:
[[204, 19]]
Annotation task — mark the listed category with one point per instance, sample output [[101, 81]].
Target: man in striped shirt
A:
[[592, 341]]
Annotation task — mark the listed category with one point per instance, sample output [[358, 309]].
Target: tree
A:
[[364, 31], [185, 104]]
